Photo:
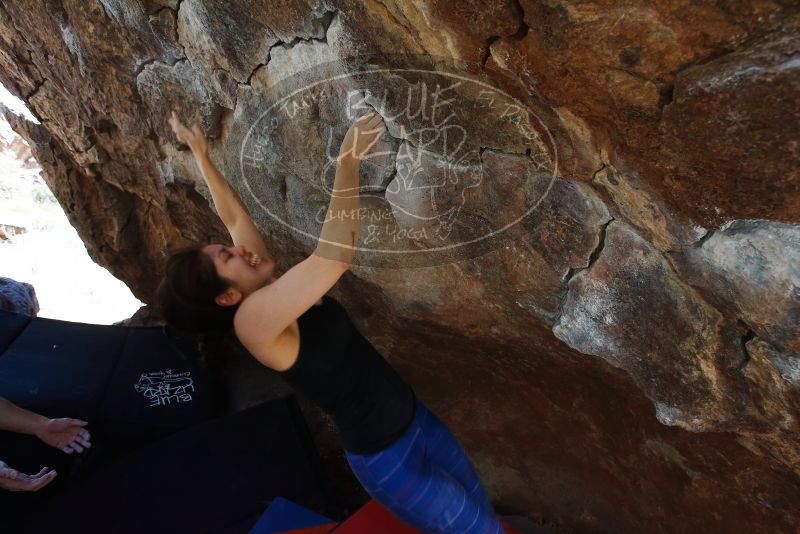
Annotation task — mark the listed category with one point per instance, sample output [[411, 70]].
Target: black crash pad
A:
[[11, 324], [128, 381], [215, 477], [131, 384]]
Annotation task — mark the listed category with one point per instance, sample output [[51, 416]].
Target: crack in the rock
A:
[[665, 96], [92, 144], [488, 51], [386, 181], [700, 242], [598, 171], [29, 61], [573, 271], [33, 92], [139, 68], [744, 338], [253, 72], [327, 19], [400, 140], [601, 243], [523, 29], [282, 187]]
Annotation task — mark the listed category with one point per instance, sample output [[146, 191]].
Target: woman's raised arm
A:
[[264, 316], [229, 206]]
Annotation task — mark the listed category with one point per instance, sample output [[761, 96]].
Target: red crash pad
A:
[[319, 529], [373, 518]]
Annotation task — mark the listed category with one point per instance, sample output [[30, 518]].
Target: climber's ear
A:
[[229, 297]]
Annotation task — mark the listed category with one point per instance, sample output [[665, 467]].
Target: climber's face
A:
[[245, 270]]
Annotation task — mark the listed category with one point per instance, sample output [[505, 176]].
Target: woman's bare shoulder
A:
[[266, 312], [279, 354]]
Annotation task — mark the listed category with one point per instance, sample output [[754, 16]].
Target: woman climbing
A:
[[401, 453]]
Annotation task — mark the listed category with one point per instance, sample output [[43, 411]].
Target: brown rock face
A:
[[753, 267], [678, 358], [715, 133], [580, 237], [692, 96]]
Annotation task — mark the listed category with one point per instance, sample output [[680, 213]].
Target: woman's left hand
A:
[[194, 138]]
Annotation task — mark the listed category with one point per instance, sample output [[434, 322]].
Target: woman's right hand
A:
[[193, 138], [362, 135]]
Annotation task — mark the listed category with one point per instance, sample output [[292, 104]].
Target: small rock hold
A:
[[630, 57]]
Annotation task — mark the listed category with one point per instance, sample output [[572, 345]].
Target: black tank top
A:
[[343, 374]]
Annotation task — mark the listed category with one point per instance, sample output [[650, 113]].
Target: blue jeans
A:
[[427, 481]]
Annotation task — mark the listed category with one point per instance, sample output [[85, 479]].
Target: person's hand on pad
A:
[[65, 434], [13, 480]]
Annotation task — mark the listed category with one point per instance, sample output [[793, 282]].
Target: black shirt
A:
[[343, 374]]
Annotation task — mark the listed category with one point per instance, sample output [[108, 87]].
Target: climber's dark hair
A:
[[185, 296]]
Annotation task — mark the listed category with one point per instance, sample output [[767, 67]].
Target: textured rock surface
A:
[[18, 297], [678, 356], [753, 267], [624, 358], [691, 96]]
